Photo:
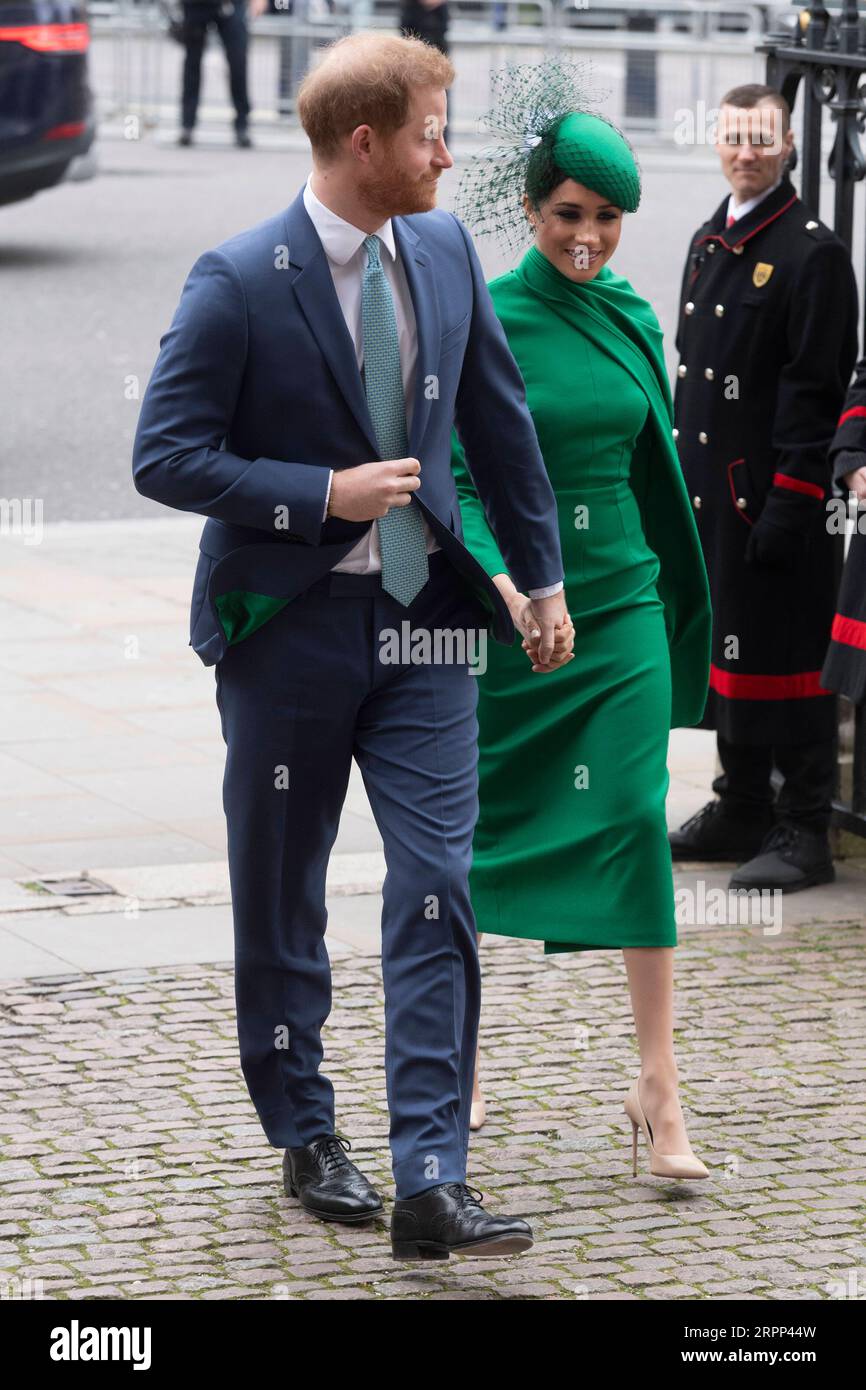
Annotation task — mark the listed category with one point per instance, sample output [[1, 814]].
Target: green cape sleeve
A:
[[682, 585]]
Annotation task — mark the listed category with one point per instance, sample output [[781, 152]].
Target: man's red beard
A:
[[395, 194]]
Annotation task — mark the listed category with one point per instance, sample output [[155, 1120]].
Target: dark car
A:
[[46, 106]]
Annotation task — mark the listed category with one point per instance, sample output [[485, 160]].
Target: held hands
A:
[[544, 624], [563, 641], [370, 489]]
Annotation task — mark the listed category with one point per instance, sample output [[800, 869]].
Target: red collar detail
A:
[[719, 236]]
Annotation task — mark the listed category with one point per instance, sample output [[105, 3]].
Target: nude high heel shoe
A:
[[661, 1165]]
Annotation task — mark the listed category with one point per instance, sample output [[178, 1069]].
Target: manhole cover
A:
[[79, 887]]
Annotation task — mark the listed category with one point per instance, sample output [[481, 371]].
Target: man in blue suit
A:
[[303, 400]]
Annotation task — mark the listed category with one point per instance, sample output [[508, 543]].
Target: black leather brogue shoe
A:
[[327, 1184], [449, 1220]]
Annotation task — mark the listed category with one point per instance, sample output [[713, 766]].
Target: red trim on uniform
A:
[[800, 686], [855, 413], [739, 510], [797, 485], [849, 630], [717, 236]]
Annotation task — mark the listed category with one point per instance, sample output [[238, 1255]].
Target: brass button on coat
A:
[[719, 310], [741, 503], [702, 437], [681, 369], [709, 373], [690, 308], [697, 502]]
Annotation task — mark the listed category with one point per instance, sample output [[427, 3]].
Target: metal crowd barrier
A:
[[652, 60]]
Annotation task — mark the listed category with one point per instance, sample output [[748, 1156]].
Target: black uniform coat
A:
[[767, 339], [845, 667]]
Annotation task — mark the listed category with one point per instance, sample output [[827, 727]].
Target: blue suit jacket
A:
[[256, 393]]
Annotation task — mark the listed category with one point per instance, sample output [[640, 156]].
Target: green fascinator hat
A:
[[590, 150], [544, 132]]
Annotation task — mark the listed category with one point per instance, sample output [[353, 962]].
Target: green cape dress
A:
[[571, 841]]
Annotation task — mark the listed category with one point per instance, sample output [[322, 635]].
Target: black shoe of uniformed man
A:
[[790, 858], [327, 1183], [717, 832], [449, 1220]]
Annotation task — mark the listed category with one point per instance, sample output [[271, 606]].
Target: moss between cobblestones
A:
[[98, 1075]]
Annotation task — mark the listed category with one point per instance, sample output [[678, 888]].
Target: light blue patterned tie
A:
[[401, 533]]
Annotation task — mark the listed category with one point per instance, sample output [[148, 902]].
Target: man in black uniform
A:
[[767, 338], [845, 667], [230, 19]]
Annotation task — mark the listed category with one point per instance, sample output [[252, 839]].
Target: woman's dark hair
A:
[[543, 174]]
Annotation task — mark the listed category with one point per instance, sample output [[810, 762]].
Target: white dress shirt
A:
[[738, 210], [343, 245]]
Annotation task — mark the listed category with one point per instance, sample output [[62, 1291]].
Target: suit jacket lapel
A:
[[314, 290], [313, 287]]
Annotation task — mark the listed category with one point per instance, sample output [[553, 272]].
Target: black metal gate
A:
[[825, 61]]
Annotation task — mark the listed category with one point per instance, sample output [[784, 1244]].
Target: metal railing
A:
[[651, 73]]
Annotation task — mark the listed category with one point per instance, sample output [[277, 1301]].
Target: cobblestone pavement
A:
[[135, 1166]]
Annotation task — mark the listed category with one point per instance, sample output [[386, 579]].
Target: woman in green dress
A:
[[571, 842]]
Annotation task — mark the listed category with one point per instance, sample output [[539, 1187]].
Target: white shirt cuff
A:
[[545, 593], [328, 493]]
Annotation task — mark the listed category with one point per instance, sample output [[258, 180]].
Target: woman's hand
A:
[[526, 623], [519, 606]]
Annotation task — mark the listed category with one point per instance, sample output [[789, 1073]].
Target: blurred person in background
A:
[[230, 19]]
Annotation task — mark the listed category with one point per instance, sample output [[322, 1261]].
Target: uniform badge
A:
[[761, 273]]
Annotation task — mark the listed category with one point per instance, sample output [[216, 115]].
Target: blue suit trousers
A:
[[299, 699]]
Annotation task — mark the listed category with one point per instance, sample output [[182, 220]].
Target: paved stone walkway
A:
[[135, 1165]]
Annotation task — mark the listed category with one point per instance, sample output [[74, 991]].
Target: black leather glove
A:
[[774, 547]]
